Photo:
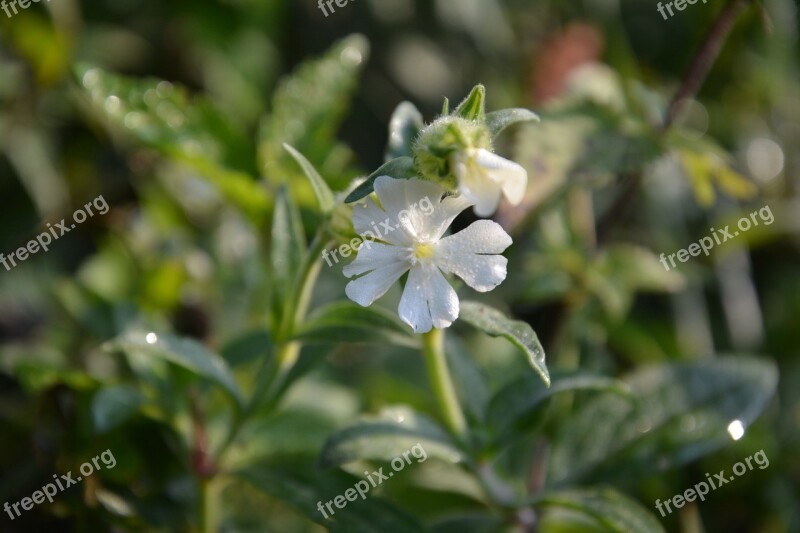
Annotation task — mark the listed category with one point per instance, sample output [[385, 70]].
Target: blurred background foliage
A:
[[176, 113]]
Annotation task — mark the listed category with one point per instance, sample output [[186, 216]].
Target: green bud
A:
[[445, 136]]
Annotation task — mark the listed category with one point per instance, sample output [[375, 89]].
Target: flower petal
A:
[[428, 300], [462, 254], [410, 204], [476, 186], [513, 178], [368, 288], [371, 223], [374, 256]]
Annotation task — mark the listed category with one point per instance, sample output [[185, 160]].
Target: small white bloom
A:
[[416, 245], [484, 176]]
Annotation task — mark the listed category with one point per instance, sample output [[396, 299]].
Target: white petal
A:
[[368, 288], [409, 204], [375, 255], [463, 255], [442, 216], [513, 178], [371, 223], [428, 300], [477, 187]]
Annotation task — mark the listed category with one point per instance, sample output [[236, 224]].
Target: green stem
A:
[[208, 511], [272, 372], [442, 383]]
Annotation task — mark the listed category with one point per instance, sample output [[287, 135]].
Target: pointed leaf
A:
[[384, 437], [520, 406], [474, 106], [497, 121], [494, 323], [610, 509], [399, 168], [184, 352], [321, 189], [681, 412], [308, 106], [288, 242], [185, 129], [368, 515]]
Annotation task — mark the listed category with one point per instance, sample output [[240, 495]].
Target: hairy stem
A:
[[442, 383]]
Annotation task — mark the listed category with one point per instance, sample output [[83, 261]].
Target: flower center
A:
[[423, 251]]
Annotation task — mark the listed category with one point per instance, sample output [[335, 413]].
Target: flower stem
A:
[[208, 514], [442, 383]]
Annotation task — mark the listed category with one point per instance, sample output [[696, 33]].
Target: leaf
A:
[[399, 168], [247, 347], [474, 106], [308, 107], [610, 509], [404, 126], [681, 412], [113, 405], [288, 244], [184, 352], [367, 515], [520, 406], [497, 121], [321, 189], [622, 270], [494, 323], [384, 437], [188, 130], [348, 322]]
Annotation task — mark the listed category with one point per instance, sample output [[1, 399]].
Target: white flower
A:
[[416, 245], [484, 176]]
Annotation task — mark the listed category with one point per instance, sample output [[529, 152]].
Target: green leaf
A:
[[308, 107], [187, 130], [494, 323], [321, 189], [367, 515], [251, 345], [112, 406], [399, 168], [184, 352], [348, 322], [500, 120], [681, 412], [474, 106], [288, 244], [521, 405], [610, 509], [382, 438], [404, 127]]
